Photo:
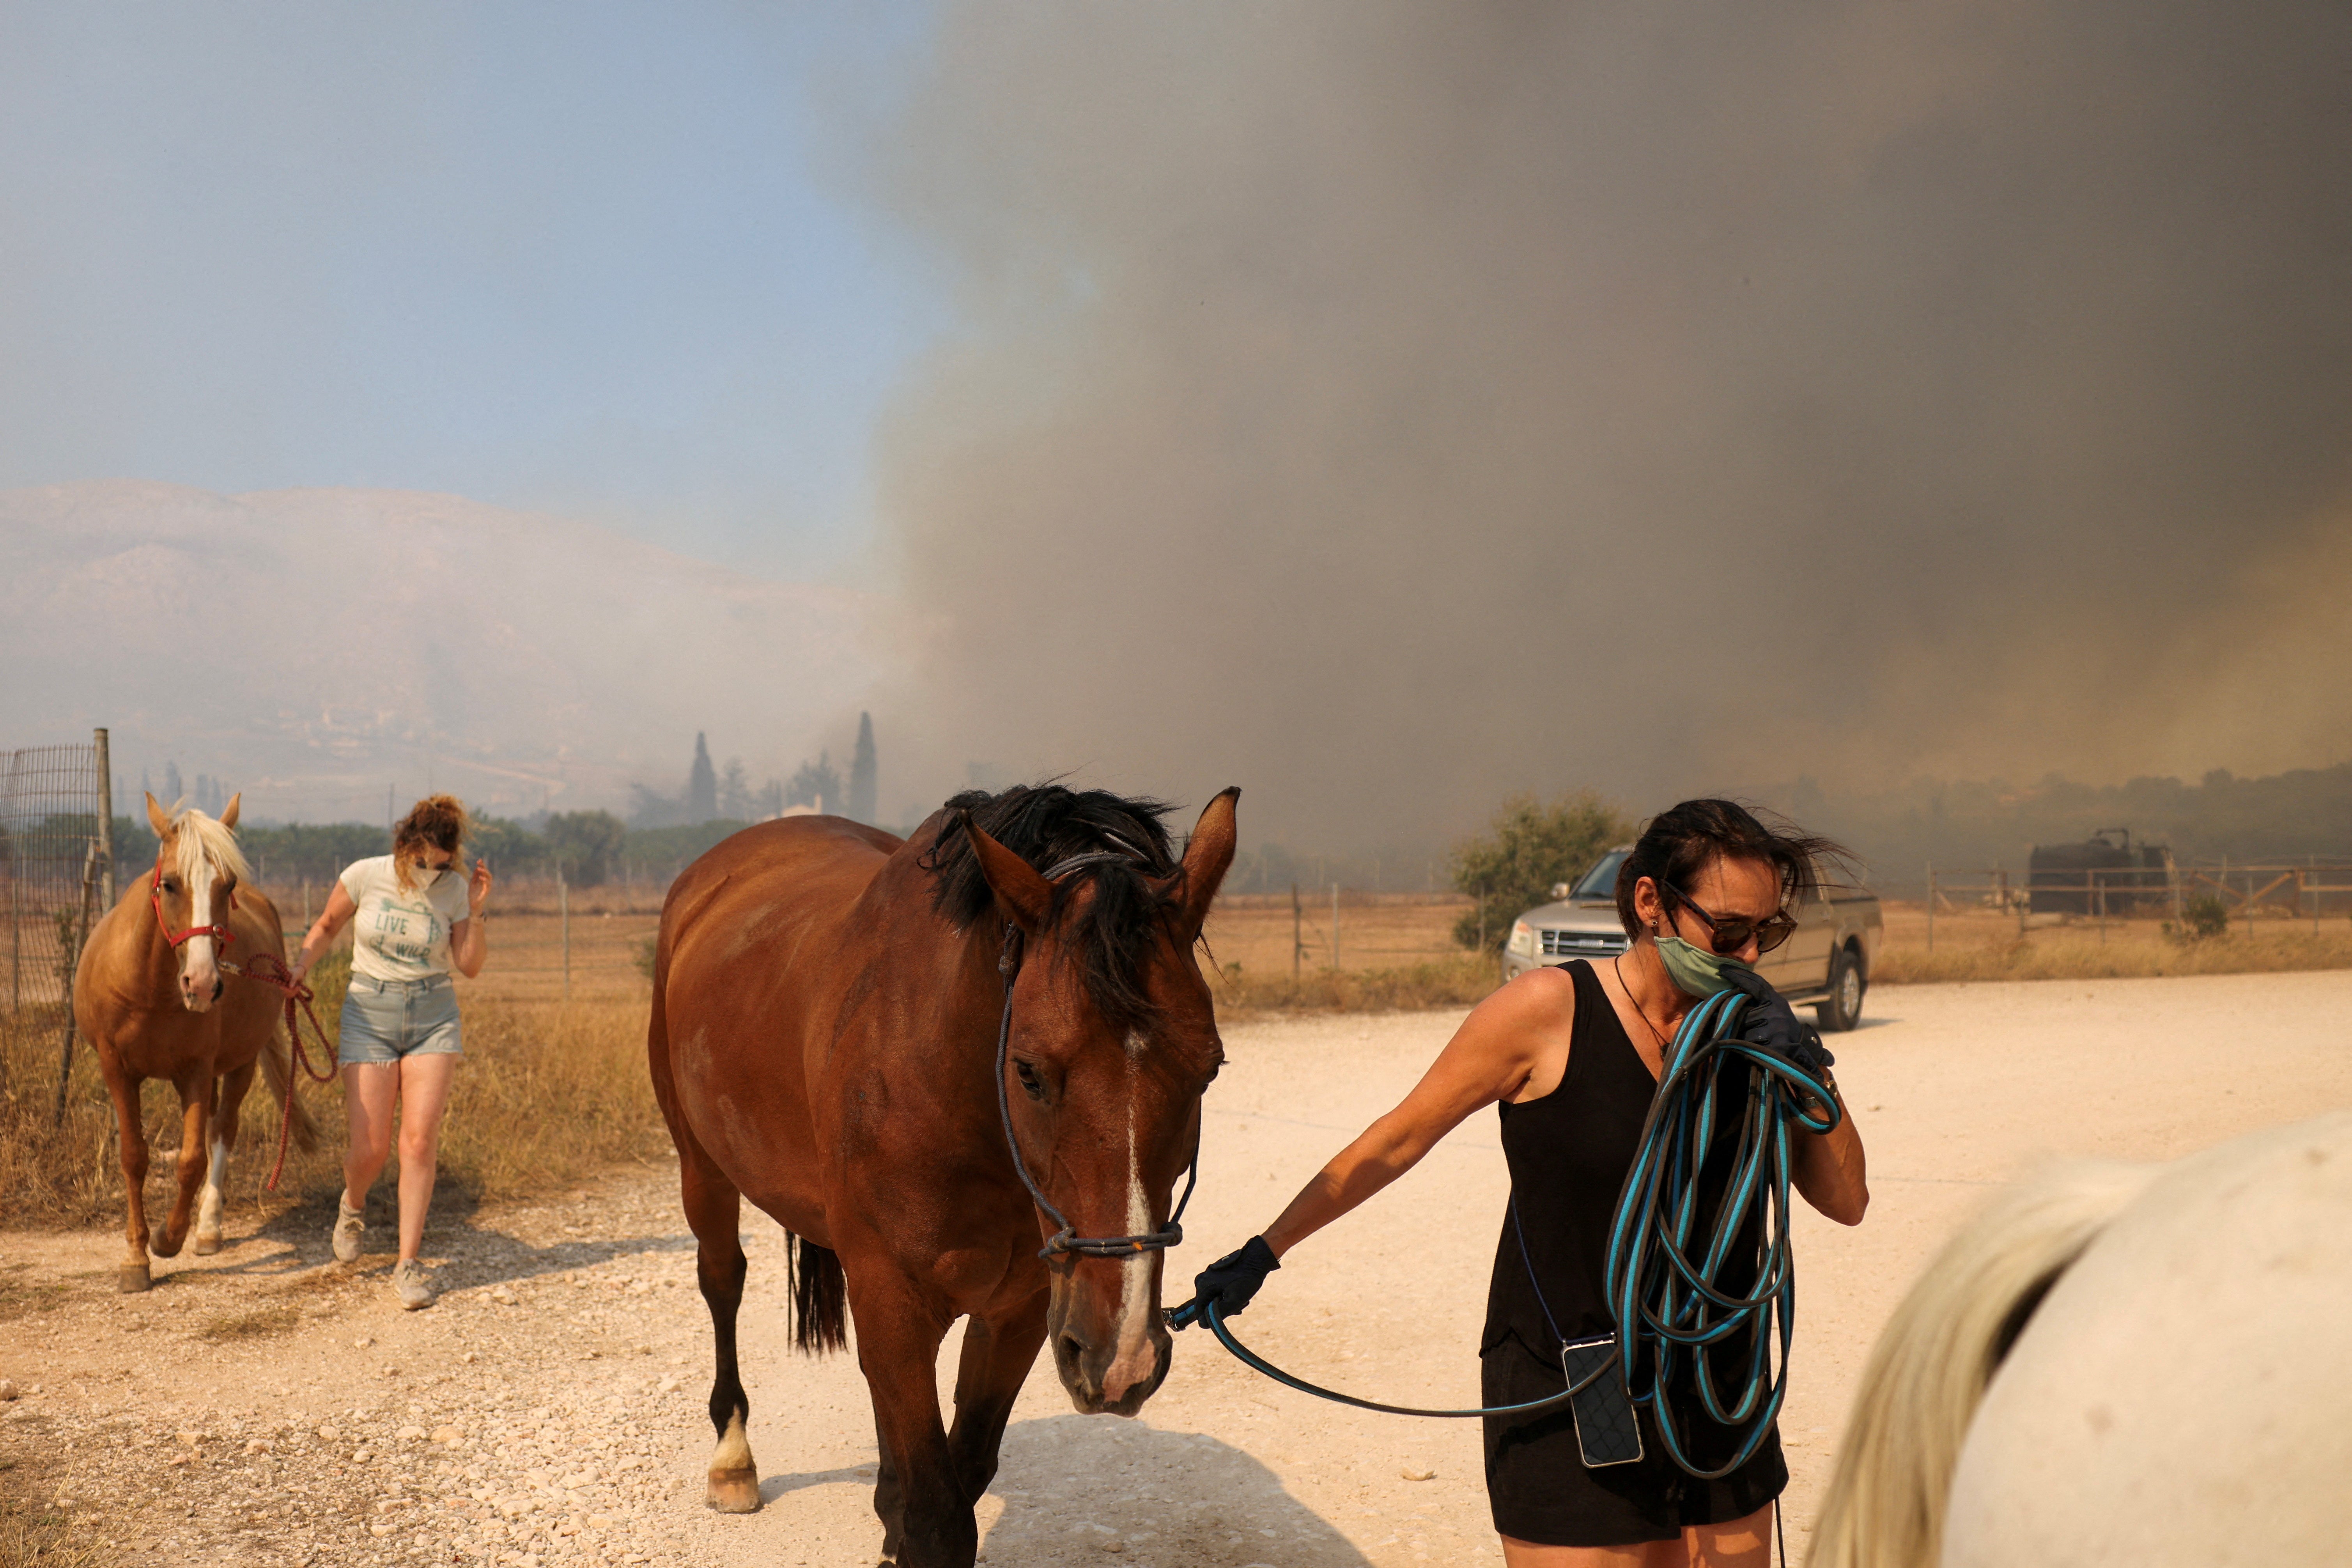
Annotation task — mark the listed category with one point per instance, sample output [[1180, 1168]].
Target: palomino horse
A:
[[149, 994], [2118, 1364], [824, 1042]]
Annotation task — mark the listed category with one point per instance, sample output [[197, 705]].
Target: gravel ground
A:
[[268, 1406]]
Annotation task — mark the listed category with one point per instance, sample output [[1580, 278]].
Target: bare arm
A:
[[469, 943], [325, 929], [1490, 1058], [1831, 1169]]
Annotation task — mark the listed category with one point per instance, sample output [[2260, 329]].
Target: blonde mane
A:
[[201, 843]]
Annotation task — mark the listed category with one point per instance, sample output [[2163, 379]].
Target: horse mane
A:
[[1046, 824], [199, 841]]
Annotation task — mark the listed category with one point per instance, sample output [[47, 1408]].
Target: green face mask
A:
[[1695, 971]]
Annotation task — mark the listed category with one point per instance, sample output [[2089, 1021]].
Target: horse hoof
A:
[[131, 1279], [734, 1491], [205, 1246], [163, 1246]]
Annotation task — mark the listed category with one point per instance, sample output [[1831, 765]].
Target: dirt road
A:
[[265, 1406]]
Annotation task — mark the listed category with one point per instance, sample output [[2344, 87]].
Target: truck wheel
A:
[[1843, 1009]]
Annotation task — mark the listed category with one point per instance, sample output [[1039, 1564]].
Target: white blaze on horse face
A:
[[1135, 1361], [197, 963]]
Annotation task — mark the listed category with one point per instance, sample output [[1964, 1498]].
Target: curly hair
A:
[[1679, 843], [436, 822]]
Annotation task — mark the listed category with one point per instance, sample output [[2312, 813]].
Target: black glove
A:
[[1230, 1282], [1771, 1023]]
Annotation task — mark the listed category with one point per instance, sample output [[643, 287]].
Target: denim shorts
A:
[[385, 1020]]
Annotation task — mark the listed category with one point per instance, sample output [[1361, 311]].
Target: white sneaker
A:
[[412, 1285], [350, 1225]]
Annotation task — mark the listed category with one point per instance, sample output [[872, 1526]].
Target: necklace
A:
[[1644, 1012]]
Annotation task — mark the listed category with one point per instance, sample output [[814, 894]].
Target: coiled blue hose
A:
[[1666, 1260]]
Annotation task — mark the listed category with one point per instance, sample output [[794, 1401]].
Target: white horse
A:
[[2142, 1365]]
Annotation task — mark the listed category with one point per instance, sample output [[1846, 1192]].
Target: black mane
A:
[[1044, 825]]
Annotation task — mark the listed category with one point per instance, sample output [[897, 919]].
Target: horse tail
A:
[[275, 1071], [819, 1293], [1886, 1498]]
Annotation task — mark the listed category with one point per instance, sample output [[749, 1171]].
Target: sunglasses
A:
[[1728, 933]]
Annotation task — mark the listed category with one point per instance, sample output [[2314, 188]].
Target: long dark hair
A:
[[1048, 823], [1678, 843]]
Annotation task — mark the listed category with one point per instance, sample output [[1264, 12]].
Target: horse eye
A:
[[170, 885], [1030, 1080]]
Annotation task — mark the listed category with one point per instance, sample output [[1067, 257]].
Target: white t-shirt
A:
[[399, 934]]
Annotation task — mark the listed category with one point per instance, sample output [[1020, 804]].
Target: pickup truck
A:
[[1826, 963]]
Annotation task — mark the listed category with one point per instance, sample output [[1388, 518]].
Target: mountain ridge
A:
[[340, 640]]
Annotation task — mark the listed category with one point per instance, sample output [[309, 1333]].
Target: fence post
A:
[[563, 909], [1931, 906], [105, 818], [1298, 932], [1335, 925]]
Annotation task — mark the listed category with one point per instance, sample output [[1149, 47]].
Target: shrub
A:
[[1528, 847], [2204, 917]]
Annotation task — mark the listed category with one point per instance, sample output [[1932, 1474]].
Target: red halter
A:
[[219, 933]]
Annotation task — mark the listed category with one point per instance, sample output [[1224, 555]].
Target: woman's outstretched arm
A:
[[1490, 1058]]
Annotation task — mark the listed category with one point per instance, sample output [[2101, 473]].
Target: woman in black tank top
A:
[[1571, 1056]]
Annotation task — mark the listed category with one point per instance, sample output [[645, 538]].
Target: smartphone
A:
[[1606, 1429]]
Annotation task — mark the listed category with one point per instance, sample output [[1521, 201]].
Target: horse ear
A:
[[156, 819], [228, 811], [1021, 892], [1206, 857]]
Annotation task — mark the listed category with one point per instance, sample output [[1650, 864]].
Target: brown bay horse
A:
[[150, 995], [825, 1041]]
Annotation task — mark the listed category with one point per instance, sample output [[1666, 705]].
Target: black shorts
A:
[[1540, 1493]]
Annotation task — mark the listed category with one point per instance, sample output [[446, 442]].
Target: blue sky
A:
[[600, 260]]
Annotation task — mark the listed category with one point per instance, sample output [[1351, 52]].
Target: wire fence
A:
[[2240, 892], [54, 875]]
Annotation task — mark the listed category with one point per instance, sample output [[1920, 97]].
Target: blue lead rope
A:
[[1654, 1280], [1212, 1316], [1667, 1261]]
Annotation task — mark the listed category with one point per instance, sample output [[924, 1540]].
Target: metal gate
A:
[[57, 877]]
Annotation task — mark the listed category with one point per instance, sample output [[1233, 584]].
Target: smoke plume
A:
[[1385, 407]]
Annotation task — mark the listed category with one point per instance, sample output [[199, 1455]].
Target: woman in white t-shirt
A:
[[415, 916]]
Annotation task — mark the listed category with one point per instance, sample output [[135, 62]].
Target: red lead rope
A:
[[295, 993]]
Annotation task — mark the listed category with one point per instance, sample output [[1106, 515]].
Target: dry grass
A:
[[1456, 981], [34, 1533], [549, 1092], [1979, 944]]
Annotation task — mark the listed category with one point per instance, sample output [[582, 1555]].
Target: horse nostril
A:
[[1068, 1349]]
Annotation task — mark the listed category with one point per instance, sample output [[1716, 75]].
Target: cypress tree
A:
[[701, 785], [862, 776]]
